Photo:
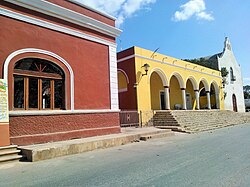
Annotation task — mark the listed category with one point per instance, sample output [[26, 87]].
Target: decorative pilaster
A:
[[113, 79]]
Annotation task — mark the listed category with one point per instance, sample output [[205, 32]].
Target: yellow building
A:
[[151, 81]]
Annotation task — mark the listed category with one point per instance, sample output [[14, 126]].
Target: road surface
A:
[[215, 158]]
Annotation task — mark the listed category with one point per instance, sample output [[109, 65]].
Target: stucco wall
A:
[[233, 87], [39, 129], [167, 67], [127, 100], [89, 60], [86, 54]]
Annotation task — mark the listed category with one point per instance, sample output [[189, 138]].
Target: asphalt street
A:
[[214, 158]]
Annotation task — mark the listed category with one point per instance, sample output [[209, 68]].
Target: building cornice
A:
[[52, 26], [68, 15], [167, 63]]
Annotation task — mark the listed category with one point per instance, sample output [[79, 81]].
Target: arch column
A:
[[167, 100], [217, 96], [197, 98], [208, 100], [184, 100]]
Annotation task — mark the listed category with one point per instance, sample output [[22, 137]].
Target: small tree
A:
[[224, 74], [246, 90]]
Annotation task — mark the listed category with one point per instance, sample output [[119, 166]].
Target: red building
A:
[[59, 59]]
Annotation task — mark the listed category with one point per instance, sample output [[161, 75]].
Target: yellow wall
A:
[[213, 100], [203, 98], [175, 93], [190, 90], [203, 102], [166, 67], [156, 86]]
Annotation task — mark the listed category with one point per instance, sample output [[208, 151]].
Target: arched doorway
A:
[[203, 96], [235, 109], [157, 92], [38, 84], [176, 101], [214, 96], [191, 86]]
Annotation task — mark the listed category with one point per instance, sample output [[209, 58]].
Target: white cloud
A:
[[205, 16], [122, 9], [193, 8]]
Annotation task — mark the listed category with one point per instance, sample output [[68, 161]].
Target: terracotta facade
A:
[[87, 82]]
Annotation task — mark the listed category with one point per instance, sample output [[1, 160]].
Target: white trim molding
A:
[[60, 12], [52, 26], [40, 51], [59, 112], [113, 79]]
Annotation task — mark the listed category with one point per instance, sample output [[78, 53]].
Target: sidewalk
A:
[[56, 149]]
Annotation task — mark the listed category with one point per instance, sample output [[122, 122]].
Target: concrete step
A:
[[8, 158], [159, 135], [174, 128], [166, 124], [56, 149], [165, 119], [8, 148], [9, 154]]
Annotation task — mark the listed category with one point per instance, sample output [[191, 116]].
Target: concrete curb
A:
[[57, 149]]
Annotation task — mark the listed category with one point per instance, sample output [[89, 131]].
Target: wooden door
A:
[[234, 103]]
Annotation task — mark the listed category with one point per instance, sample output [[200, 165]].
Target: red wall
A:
[[128, 99], [89, 60], [40, 129]]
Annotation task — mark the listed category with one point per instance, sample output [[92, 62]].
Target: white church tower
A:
[[234, 99]]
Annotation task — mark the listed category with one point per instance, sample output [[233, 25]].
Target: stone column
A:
[[208, 100], [167, 99], [197, 97], [184, 101]]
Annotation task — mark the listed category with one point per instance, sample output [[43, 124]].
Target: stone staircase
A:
[[9, 154], [201, 120], [165, 120]]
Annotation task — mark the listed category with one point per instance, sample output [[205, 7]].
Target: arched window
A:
[[38, 84], [122, 81], [232, 77]]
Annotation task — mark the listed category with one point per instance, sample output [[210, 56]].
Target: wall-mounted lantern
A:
[[145, 67]]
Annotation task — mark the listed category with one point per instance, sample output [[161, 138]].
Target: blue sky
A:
[[184, 28]]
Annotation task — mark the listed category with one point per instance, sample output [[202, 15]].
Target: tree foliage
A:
[[246, 90], [209, 63], [224, 72]]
